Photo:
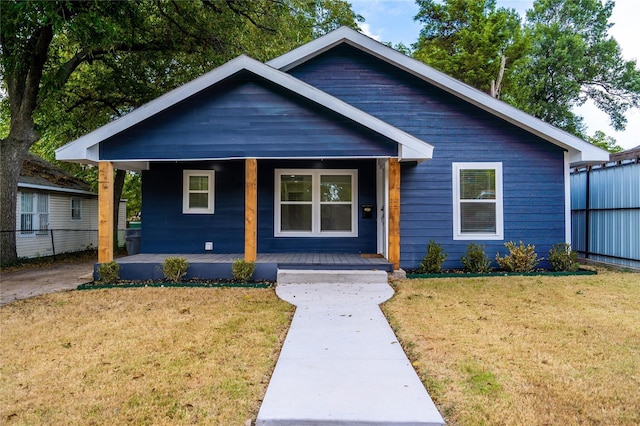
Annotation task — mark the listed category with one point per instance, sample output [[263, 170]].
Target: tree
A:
[[470, 40], [600, 139], [68, 67], [573, 59]]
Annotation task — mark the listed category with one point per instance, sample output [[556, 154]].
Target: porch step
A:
[[331, 276]]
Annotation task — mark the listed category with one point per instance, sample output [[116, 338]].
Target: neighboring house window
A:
[[76, 208], [477, 201], [316, 203], [198, 188], [34, 213]]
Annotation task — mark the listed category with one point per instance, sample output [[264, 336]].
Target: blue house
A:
[[341, 146]]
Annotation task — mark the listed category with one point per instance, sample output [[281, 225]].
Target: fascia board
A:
[[86, 147], [580, 150], [55, 189]]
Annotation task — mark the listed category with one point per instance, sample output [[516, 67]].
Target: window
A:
[[312, 203], [477, 201], [198, 187], [76, 208], [34, 213]]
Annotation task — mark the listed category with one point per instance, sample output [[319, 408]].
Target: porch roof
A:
[[87, 148]]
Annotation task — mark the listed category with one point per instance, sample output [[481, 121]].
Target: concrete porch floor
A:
[[147, 266]]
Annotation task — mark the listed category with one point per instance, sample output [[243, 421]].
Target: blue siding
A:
[[533, 170], [243, 118], [167, 230]]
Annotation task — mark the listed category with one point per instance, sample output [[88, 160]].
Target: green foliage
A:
[[243, 270], [109, 272], [466, 39], [475, 259], [573, 59], [174, 268], [600, 139], [558, 59], [433, 260], [521, 258], [562, 258]]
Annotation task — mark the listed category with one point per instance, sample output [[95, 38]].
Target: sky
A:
[[392, 21]]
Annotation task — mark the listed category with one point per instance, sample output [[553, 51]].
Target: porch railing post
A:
[[251, 210], [105, 212], [394, 213]]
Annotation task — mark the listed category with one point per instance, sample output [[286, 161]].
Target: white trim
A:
[[580, 151], [55, 189], [78, 199], [210, 175], [36, 215], [457, 227], [316, 220], [567, 199], [85, 149]]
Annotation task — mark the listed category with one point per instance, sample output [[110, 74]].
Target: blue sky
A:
[[392, 21]]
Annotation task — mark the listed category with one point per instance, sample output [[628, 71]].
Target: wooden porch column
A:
[[105, 212], [394, 213], [251, 210]]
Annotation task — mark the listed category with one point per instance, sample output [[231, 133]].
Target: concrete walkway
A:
[[341, 363]]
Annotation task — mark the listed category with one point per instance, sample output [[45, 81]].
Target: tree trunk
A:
[[12, 155]]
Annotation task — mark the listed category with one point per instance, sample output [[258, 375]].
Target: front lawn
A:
[[525, 350], [161, 356]]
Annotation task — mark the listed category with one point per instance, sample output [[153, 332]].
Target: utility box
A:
[[132, 240]]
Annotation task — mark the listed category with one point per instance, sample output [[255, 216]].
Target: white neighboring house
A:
[[56, 212]]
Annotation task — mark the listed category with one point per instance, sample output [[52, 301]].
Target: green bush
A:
[[562, 258], [109, 272], [475, 260], [174, 268], [243, 270], [433, 260], [521, 258]]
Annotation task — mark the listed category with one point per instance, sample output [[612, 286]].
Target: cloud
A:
[[366, 30]]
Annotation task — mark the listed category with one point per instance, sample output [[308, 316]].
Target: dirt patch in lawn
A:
[[139, 356], [525, 350]]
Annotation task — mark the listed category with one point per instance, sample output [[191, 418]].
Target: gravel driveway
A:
[[45, 279]]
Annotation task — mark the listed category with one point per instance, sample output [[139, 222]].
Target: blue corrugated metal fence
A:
[[605, 212]]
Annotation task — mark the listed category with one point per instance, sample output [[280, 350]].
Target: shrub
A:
[[243, 270], [174, 268], [109, 272], [475, 260], [433, 260], [521, 258], [562, 258]]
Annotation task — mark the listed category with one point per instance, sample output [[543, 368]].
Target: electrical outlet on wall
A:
[[208, 246]]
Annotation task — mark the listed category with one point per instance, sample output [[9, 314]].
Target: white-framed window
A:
[[316, 203], [76, 208], [198, 187], [34, 213], [477, 201]]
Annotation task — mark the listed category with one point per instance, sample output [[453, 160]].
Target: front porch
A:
[[214, 265]]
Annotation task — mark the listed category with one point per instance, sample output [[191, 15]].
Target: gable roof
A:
[[37, 173], [580, 151], [86, 148]]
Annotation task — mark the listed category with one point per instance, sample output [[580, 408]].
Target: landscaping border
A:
[[91, 286], [503, 274]]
